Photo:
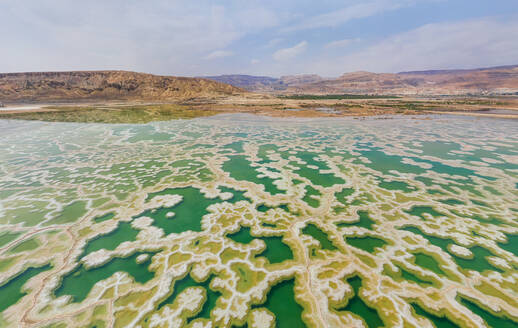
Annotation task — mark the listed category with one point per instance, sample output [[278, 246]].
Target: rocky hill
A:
[[496, 80], [266, 83], [105, 85], [249, 82]]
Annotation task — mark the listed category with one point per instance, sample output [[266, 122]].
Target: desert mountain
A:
[[248, 82], [266, 83], [106, 85], [495, 80]]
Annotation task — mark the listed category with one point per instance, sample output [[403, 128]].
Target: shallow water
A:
[[258, 215]]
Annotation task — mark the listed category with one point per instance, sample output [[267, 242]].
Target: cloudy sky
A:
[[261, 37]]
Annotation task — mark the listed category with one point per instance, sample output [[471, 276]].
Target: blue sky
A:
[[275, 38]]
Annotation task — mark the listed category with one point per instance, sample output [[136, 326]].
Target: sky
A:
[[257, 37]]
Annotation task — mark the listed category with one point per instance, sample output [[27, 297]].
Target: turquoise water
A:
[[376, 195]]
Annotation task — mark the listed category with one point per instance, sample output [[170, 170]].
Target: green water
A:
[[186, 282], [276, 250], [428, 262], [364, 221], [347, 176], [384, 163], [80, 281], [396, 185], [409, 276], [511, 245], [438, 322], [235, 146], [11, 291], [309, 199], [237, 195], [491, 320], [7, 237], [421, 210], [188, 213], [479, 261], [70, 213], [123, 232], [265, 208], [368, 244], [103, 218], [27, 245], [242, 236], [340, 196], [240, 169], [319, 235], [281, 302], [357, 306], [452, 201], [314, 175]]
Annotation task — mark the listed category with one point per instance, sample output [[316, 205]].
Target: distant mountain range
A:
[[123, 85], [495, 80], [105, 85]]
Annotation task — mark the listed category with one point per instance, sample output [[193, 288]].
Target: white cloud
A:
[[219, 54], [159, 36], [465, 44], [355, 11], [290, 53], [274, 42], [255, 61], [341, 43]]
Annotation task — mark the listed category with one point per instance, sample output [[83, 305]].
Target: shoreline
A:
[[143, 112]]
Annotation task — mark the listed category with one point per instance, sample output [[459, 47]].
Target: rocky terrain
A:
[[496, 80], [249, 82], [106, 85], [266, 83]]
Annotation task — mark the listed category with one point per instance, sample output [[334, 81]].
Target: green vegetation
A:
[[336, 97], [111, 114]]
